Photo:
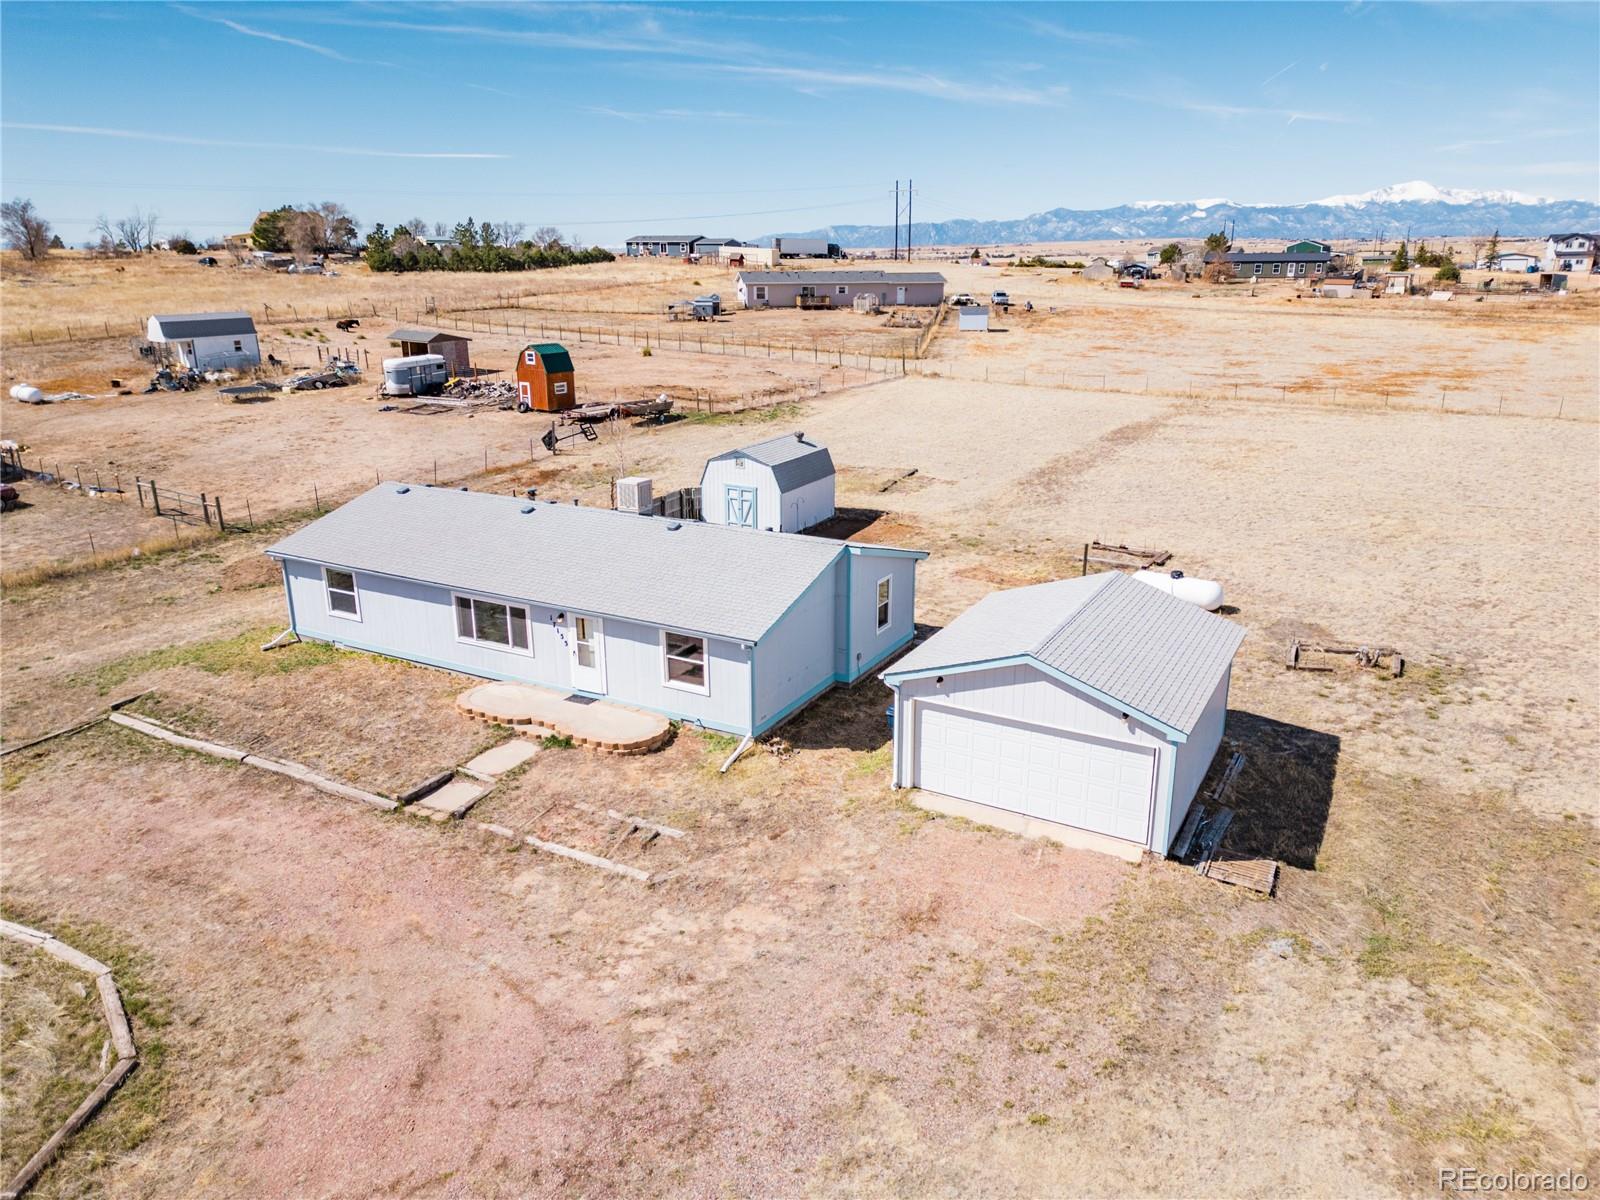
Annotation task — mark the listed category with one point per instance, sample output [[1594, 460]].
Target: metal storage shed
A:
[[454, 348], [1085, 710], [784, 484]]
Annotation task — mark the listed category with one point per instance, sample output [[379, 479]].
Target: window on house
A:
[[1277, 268], [843, 290], [684, 660], [1258, 268], [238, 345], [761, 293], [493, 623], [342, 598], [883, 603]]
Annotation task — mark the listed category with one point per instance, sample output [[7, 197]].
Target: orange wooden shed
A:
[[545, 380]]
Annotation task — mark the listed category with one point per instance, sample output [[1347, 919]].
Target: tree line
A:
[[474, 246]]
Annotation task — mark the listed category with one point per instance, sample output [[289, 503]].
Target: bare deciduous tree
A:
[[24, 229], [545, 236], [136, 231], [509, 233]]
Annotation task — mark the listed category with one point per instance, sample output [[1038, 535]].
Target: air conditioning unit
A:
[[633, 494]]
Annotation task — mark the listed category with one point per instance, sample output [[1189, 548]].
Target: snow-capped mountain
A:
[[1420, 207]]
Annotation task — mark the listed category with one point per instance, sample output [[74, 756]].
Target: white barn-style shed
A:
[[785, 484], [718, 627], [207, 341], [1085, 710]]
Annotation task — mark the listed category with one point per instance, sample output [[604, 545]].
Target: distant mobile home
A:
[[838, 289], [207, 341], [785, 484], [725, 628]]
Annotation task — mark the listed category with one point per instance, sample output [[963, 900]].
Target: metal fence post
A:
[[155, 498]]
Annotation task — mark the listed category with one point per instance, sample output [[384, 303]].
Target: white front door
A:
[[588, 653], [1055, 774], [899, 295]]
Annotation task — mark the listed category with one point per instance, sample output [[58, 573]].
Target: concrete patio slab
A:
[[497, 760], [597, 724]]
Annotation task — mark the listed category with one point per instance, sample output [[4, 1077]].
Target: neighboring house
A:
[[1085, 710], [1517, 263], [785, 484], [1571, 253], [455, 349], [546, 381], [207, 341], [1279, 265], [718, 627], [712, 247], [672, 245], [837, 289], [1309, 246]]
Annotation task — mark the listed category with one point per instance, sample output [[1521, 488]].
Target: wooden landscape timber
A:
[[1365, 656]]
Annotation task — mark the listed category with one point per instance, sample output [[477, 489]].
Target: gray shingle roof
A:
[[666, 237], [812, 277], [713, 579], [193, 325], [410, 333], [1160, 656], [795, 460]]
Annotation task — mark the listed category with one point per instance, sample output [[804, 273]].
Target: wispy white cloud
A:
[[1290, 115], [1081, 37], [1535, 135], [1280, 72], [282, 39], [139, 135], [676, 114], [817, 80]]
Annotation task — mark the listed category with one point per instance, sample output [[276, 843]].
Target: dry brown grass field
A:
[[834, 992]]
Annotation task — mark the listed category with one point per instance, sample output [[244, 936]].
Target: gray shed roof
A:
[[666, 237], [713, 579], [1160, 656], [410, 333], [808, 277], [795, 459], [193, 325]]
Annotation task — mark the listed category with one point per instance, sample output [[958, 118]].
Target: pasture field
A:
[[833, 992]]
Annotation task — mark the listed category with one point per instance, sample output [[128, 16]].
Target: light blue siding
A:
[[1193, 759], [868, 646], [416, 621], [796, 659]]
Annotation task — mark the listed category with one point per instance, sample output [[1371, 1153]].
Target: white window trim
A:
[[678, 684], [761, 291], [355, 594], [505, 647], [843, 290], [888, 602]]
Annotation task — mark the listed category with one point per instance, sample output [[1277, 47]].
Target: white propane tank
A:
[[27, 393], [1205, 593]]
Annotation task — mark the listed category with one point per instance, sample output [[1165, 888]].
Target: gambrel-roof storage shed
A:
[[1085, 710], [718, 627], [784, 484]]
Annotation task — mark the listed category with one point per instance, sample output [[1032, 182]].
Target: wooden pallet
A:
[[1257, 874]]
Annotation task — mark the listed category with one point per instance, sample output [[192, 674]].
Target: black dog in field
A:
[[348, 325], [274, 361]]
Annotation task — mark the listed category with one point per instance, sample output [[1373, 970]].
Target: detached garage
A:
[[1085, 710]]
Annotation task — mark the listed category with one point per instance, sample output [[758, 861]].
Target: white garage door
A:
[[1070, 778]]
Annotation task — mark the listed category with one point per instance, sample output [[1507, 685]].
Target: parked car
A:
[[963, 300], [205, 260], [1000, 299]]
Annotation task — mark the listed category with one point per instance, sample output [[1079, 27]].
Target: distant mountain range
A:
[[1421, 208]]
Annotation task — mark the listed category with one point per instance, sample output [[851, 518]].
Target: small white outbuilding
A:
[[1084, 710], [973, 318], [784, 484], [207, 341]]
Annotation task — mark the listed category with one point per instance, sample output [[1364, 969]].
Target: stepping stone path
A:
[[497, 760], [475, 780]]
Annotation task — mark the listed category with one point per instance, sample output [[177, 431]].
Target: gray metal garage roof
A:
[[1160, 656], [795, 459], [193, 325], [732, 583], [410, 333]]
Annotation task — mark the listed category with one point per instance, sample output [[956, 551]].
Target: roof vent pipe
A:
[[673, 525], [527, 508], [401, 490]]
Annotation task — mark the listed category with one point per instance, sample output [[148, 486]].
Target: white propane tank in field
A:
[[1205, 593], [26, 393]]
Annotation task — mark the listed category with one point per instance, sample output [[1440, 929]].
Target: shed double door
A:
[[1052, 774]]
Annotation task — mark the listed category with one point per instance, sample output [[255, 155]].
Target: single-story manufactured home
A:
[[1280, 265], [671, 245], [1086, 710], [785, 484], [726, 628], [454, 348], [838, 289], [207, 341]]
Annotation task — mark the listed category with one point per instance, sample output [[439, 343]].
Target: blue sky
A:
[[742, 119]]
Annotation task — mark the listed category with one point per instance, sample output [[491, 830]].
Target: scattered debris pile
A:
[[1200, 841], [1310, 656], [168, 380], [28, 394]]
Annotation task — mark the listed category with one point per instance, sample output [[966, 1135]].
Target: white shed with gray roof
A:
[[719, 627], [1085, 710], [784, 484], [207, 341]]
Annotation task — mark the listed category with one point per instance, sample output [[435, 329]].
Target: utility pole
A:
[[897, 220], [908, 220]]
